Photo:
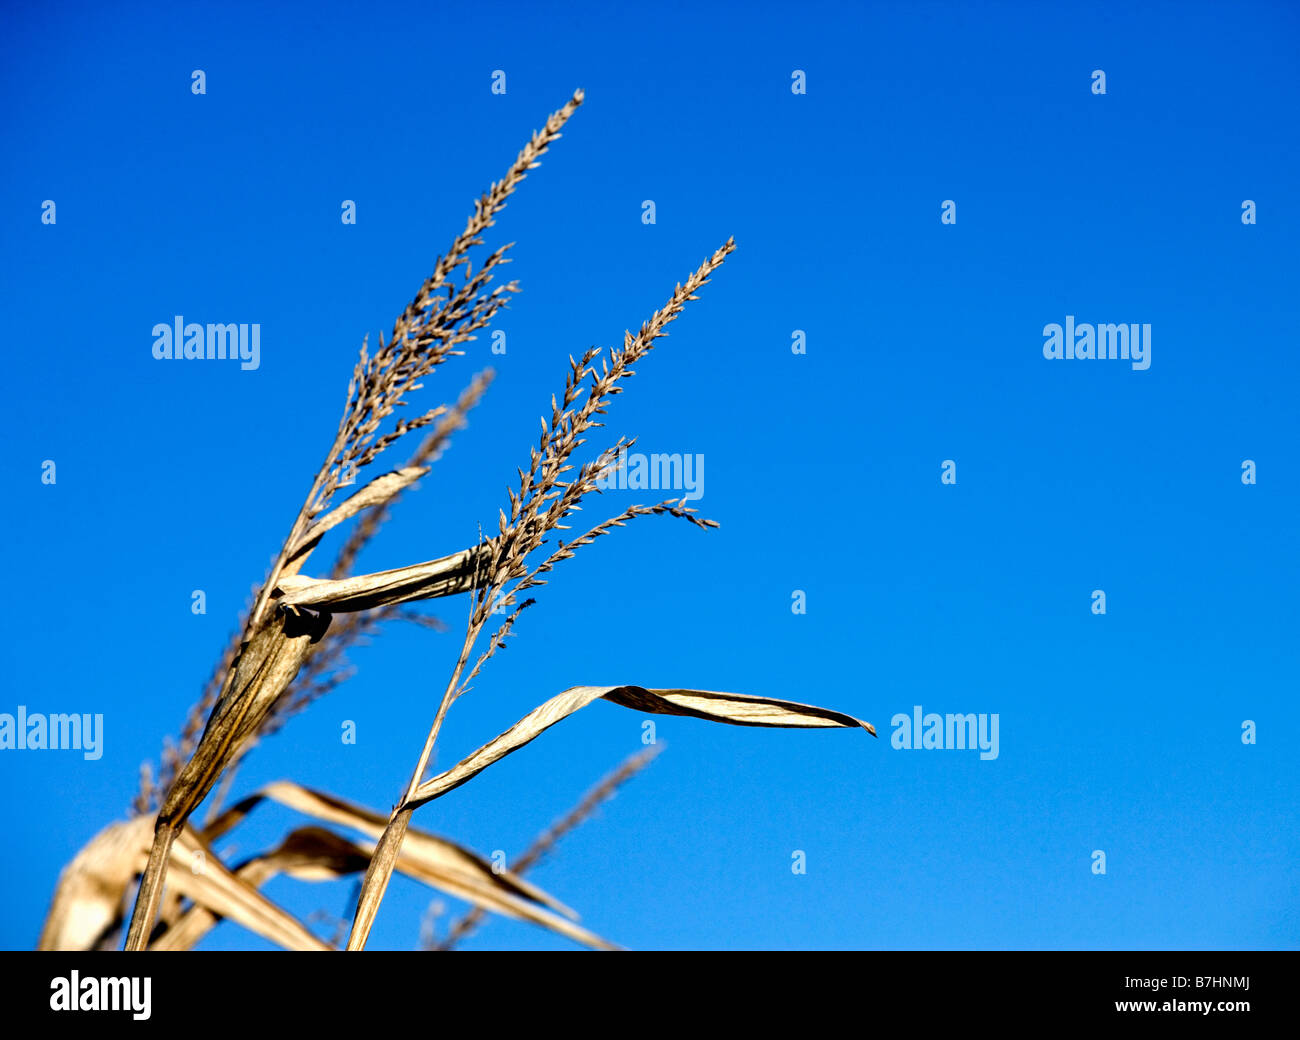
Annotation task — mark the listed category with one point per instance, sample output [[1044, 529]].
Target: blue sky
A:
[[1119, 732]]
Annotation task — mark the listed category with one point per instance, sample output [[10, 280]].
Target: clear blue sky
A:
[[1120, 733]]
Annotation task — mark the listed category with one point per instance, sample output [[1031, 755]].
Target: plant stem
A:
[[384, 859]]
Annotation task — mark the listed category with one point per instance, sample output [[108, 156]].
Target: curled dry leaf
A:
[[264, 669], [427, 858], [199, 875], [89, 901], [378, 492], [442, 577], [317, 854], [309, 854], [266, 666], [734, 708]]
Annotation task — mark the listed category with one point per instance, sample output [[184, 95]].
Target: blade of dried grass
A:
[[317, 854], [202, 877], [435, 861], [446, 576], [89, 900], [309, 854], [89, 897], [445, 858], [263, 672], [733, 708], [378, 492]]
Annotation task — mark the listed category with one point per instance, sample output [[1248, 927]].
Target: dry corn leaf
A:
[[88, 903], [425, 857], [447, 856], [264, 669], [442, 577], [199, 875], [733, 708], [308, 854], [377, 492], [88, 900]]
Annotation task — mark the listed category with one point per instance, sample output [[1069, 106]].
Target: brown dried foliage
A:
[[292, 645]]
